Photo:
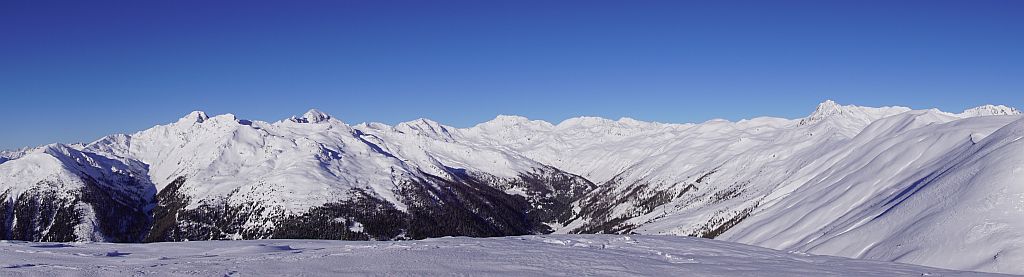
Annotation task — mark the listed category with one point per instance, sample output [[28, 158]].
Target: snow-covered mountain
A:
[[312, 176], [886, 183], [915, 188], [57, 193]]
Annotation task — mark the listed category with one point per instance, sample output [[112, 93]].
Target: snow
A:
[[60, 168], [7, 155], [893, 184], [861, 115], [292, 165], [988, 110], [813, 185], [312, 116], [302, 162], [908, 194], [557, 255], [194, 117]]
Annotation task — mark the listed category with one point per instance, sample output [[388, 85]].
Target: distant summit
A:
[[831, 109], [312, 116], [988, 110]]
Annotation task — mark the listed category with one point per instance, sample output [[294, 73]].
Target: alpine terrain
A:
[[924, 187]]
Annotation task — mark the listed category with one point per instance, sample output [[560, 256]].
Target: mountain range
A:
[[916, 186]]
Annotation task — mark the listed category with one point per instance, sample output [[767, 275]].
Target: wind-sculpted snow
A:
[[887, 183], [561, 255], [957, 189]]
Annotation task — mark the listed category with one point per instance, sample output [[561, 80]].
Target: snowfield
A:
[[554, 255]]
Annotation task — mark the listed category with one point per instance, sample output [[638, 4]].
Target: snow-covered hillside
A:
[[909, 194], [57, 193], [888, 183], [559, 255]]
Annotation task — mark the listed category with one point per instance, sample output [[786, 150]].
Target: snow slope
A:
[[929, 191], [560, 255]]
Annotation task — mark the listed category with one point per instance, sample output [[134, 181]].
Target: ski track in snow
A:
[[554, 255]]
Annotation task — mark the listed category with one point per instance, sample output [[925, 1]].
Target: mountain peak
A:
[[506, 122], [315, 116], [420, 123], [194, 117], [513, 120], [312, 116], [830, 109], [426, 127], [510, 119], [585, 121], [987, 110], [827, 108]]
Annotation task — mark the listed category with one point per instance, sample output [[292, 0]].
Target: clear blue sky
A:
[[76, 70]]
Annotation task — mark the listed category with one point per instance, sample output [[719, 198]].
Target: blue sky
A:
[[73, 71]]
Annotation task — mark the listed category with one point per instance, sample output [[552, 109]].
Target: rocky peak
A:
[[988, 110], [312, 116]]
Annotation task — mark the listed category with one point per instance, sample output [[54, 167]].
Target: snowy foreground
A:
[[575, 255]]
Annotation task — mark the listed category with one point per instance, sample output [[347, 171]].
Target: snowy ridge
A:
[[886, 183], [988, 110], [859, 114], [65, 166], [271, 171]]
